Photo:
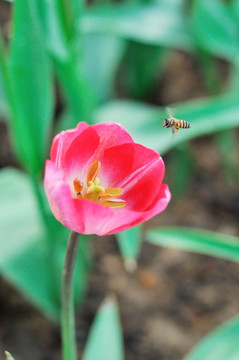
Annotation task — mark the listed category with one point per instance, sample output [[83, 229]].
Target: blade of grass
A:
[[195, 240]]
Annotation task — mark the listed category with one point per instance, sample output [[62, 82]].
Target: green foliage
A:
[[195, 240], [30, 82], [28, 261], [60, 26], [151, 23], [181, 168], [228, 147], [215, 29], [220, 344], [99, 69], [130, 242], [143, 63], [8, 356], [105, 340]]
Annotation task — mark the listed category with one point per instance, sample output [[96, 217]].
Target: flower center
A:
[[95, 192]]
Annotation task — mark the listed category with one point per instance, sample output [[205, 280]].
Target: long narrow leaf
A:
[[220, 344], [129, 243], [31, 85], [98, 68], [215, 29], [8, 356], [151, 23], [105, 339], [25, 262], [195, 240]]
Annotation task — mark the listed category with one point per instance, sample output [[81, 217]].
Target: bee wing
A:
[[173, 133], [170, 112]]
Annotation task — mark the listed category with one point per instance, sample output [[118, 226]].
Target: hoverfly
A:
[[175, 124]]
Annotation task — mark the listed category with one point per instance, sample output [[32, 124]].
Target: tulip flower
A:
[[99, 181]]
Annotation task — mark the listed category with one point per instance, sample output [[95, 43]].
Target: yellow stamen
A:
[[94, 188], [78, 185], [95, 192], [112, 192], [114, 203], [93, 171]]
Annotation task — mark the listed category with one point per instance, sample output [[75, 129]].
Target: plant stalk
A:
[[69, 348]]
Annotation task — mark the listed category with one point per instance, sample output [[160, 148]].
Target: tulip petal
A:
[[80, 215], [62, 141], [78, 157], [126, 218], [91, 144], [111, 134], [120, 164]]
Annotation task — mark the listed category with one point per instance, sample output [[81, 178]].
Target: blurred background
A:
[[62, 62]]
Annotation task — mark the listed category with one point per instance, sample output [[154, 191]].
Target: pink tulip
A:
[[99, 181]]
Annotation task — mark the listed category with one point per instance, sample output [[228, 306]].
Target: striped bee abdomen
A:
[[182, 124]]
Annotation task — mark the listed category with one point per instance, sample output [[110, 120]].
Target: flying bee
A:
[[175, 124]]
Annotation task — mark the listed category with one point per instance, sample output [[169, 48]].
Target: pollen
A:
[[95, 192]]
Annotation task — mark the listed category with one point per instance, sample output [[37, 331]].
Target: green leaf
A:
[[25, 260], [52, 22], [195, 240], [100, 73], [144, 122], [105, 339], [151, 23], [228, 148], [144, 64], [31, 85], [220, 344], [130, 243], [8, 356], [234, 7], [80, 97], [182, 170], [215, 29], [62, 34]]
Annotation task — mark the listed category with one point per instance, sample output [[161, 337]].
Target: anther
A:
[[78, 185], [93, 172]]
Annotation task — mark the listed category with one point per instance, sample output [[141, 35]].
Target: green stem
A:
[[69, 348]]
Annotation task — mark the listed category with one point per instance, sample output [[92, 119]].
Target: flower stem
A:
[[69, 348]]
